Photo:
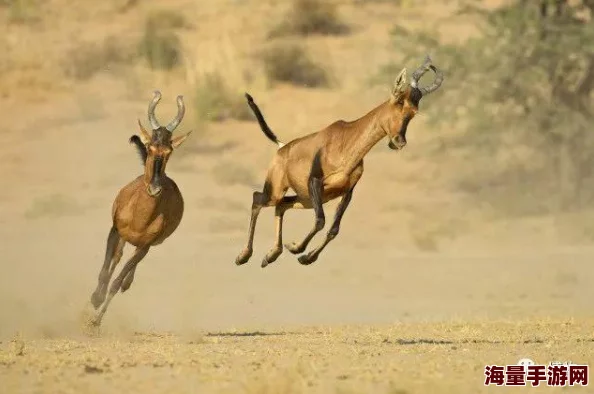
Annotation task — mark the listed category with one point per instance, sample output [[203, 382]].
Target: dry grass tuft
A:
[[291, 63], [310, 17], [215, 101], [219, 80], [160, 45], [22, 11], [166, 19], [161, 49], [86, 59]]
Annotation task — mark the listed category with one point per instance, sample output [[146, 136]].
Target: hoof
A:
[[271, 256], [97, 299], [243, 257], [95, 322], [305, 259], [294, 248]]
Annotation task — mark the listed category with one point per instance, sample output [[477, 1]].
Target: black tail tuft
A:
[[263, 125]]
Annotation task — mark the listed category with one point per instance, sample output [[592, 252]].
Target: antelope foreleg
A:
[[98, 295], [117, 283], [117, 257], [312, 256]]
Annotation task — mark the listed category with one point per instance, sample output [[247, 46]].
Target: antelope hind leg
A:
[[127, 282], [259, 200], [286, 203], [277, 249], [316, 189], [312, 256]]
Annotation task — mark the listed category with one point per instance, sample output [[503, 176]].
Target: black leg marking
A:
[[259, 200], [127, 282], [316, 190], [99, 294], [332, 233], [342, 206]]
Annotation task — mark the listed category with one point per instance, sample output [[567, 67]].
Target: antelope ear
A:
[[399, 86], [144, 135], [140, 147], [177, 141]]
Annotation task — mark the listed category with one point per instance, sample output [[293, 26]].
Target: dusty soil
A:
[[396, 358], [417, 294]]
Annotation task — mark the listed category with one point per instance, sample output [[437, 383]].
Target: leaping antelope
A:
[[327, 164], [147, 210]]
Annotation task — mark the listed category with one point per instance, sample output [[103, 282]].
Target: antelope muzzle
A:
[[155, 188], [397, 143]]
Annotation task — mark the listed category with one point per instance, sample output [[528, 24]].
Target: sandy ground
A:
[[397, 358], [416, 295]]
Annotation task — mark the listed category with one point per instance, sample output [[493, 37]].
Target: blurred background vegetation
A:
[[522, 96], [511, 129]]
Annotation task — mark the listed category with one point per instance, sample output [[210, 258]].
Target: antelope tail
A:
[[263, 125]]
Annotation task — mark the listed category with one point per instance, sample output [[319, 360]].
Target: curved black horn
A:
[[181, 110], [436, 83], [418, 73], [151, 110]]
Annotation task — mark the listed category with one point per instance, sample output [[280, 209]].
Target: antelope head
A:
[[156, 147], [404, 101]]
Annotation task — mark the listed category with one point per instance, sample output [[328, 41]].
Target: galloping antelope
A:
[[327, 164], [147, 210]]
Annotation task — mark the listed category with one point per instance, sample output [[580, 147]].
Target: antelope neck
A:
[[369, 131]]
